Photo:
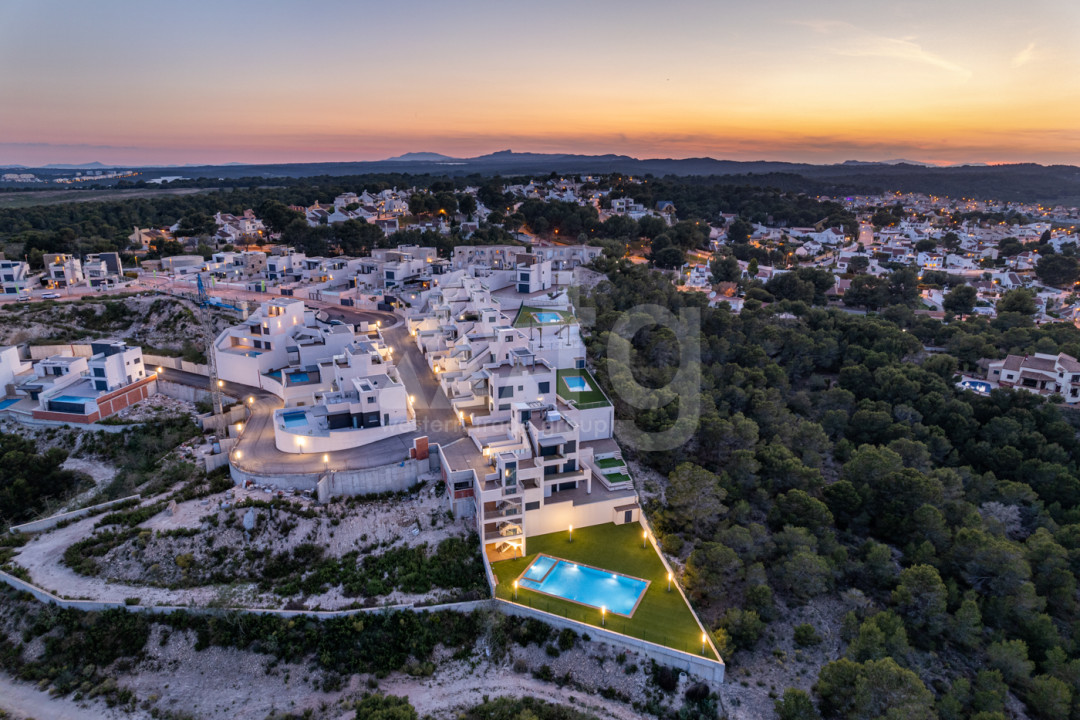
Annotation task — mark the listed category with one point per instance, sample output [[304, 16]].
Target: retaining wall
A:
[[52, 521], [40, 352], [372, 481], [182, 392], [643, 521], [701, 667], [175, 363]]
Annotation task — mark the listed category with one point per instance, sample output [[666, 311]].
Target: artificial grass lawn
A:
[[525, 317], [661, 617], [592, 395], [606, 463], [617, 477]]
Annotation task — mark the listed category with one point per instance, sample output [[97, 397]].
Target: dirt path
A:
[[24, 700], [41, 557], [460, 686]]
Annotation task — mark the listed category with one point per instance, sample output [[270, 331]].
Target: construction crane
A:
[[207, 325]]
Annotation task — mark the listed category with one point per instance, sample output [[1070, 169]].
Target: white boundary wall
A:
[[50, 522]]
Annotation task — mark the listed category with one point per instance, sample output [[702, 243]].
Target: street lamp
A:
[[702, 643], [603, 615], [571, 531], [644, 537], [669, 581], [515, 590]]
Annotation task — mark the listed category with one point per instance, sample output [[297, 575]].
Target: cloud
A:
[[863, 43], [1023, 57]]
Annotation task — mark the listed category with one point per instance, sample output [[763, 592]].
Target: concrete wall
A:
[[40, 352], [710, 671], [153, 361], [386, 478], [182, 392], [556, 517], [50, 522], [220, 423]]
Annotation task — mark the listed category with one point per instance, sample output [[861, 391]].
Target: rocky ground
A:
[[147, 566], [174, 677], [146, 318]]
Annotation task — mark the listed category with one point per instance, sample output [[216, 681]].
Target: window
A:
[[504, 406], [535, 505], [579, 363], [370, 400], [506, 391], [544, 387]]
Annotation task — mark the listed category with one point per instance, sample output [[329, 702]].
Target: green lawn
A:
[[615, 478], [592, 395], [525, 317], [662, 617], [606, 463]]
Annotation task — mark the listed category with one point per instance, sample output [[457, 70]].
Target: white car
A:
[[50, 296]]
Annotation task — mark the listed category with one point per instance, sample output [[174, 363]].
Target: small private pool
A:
[[584, 584], [576, 383], [294, 419], [299, 377], [70, 399], [547, 318], [977, 386], [4, 404]]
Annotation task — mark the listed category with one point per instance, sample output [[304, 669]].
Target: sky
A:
[[141, 82]]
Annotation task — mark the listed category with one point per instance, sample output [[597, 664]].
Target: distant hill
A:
[[421, 157], [1015, 183]]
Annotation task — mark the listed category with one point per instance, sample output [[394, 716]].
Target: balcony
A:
[[508, 532], [508, 510]]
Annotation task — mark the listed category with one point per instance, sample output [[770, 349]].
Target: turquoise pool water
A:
[[299, 377], [276, 374], [620, 594], [294, 419], [8, 403], [70, 399], [576, 383], [977, 386], [547, 317]]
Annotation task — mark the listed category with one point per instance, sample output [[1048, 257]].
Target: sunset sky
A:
[[214, 82]]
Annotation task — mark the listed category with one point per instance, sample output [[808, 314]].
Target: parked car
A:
[[23, 298], [50, 296]]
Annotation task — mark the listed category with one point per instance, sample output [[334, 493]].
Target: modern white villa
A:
[[361, 400]]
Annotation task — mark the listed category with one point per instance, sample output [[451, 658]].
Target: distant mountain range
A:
[[1020, 182]]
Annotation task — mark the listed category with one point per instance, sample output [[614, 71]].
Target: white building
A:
[[15, 277], [279, 348], [1040, 373], [62, 270], [365, 402]]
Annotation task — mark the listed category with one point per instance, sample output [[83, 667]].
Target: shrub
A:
[[805, 635]]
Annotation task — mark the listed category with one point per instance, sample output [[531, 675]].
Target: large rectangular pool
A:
[[584, 584]]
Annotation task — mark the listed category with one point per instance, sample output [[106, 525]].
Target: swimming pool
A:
[[299, 377], [976, 385], [583, 584], [70, 399], [294, 419], [576, 383], [545, 318], [8, 403]]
